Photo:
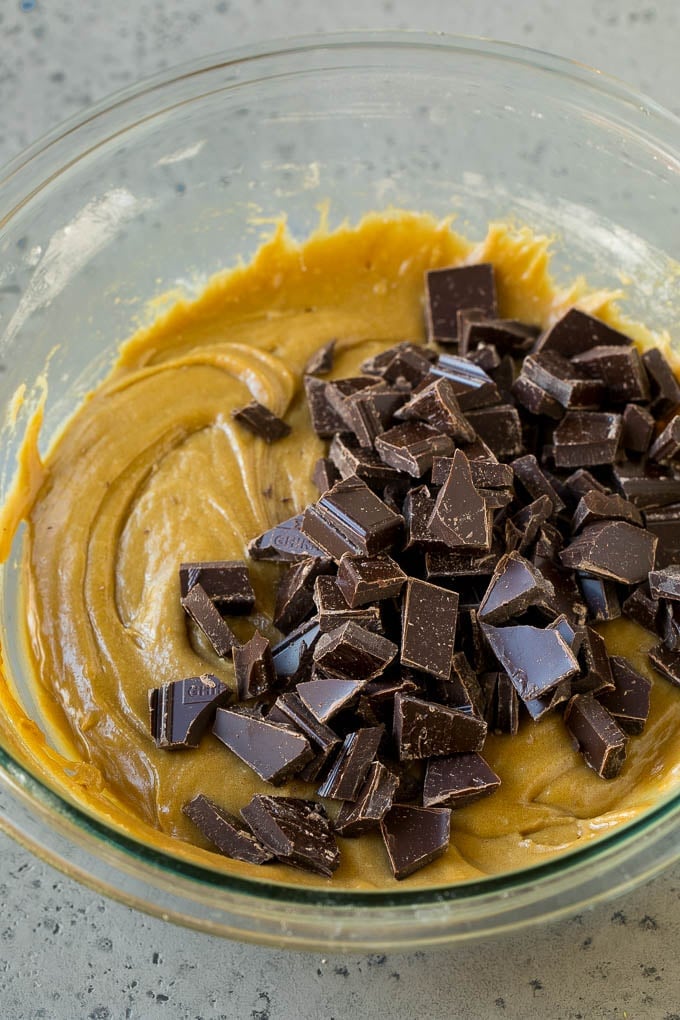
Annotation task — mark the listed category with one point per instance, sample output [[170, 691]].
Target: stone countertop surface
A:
[[67, 953]]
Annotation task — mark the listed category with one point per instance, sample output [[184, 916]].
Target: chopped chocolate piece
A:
[[471, 385], [596, 669], [409, 365], [567, 382], [572, 635], [670, 624], [261, 422], [522, 530], [273, 752], [284, 543], [417, 509], [461, 688], [665, 524], [638, 428], [296, 831], [425, 730], [665, 583], [293, 655], [369, 412], [292, 710], [534, 481], [666, 446], [225, 831], [429, 616], [538, 707], [372, 803], [437, 405], [516, 584], [595, 506], [613, 549], [182, 710], [326, 696], [325, 474], [502, 705], [577, 331], [628, 703], [500, 428], [376, 703], [647, 486], [535, 399], [601, 742], [567, 597], [478, 450], [353, 460], [352, 652], [379, 362], [600, 596], [458, 780], [225, 582], [412, 446], [326, 421], [316, 770], [642, 609], [363, 579], [460, 517], [294, 598], [254, 667], [339, 390], [351, 766], [202, 611], [664, 385], [582, 482], [586, 437], [667, 663], [321, 361], [414, 837], [454, 288], [351, 518], [333, 609], [619, 368], [505, 336], [549, 542], [535, 660], [461, 563]]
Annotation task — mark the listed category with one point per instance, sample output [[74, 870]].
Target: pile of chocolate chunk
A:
[[486, 498]]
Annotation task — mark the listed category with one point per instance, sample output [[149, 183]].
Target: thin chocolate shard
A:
[[285, 543], [254, 667], [294, 595], [628, 703], [600, 596], [471, 385], [321, 361], [601, 742], [638, 428], [500, 428], [202, 611], [577, 332], [351, 766], [461, 689], [426, 730], [325, 474], [666, 447], [535, 660], [642, 609], [293, 711], [293, 655], [411, 447], [273, 752], [353, 460], [596, 506], [333, 610], [181, 711], [502, 704], [414, 837], [516, 584], [454, 288], [372, 803], [664, 386], [327, 696], [670, 624], [225, 831], [665, 524], [363, 579], [326, 421], [225, 582], [596, 673], [665, 583], [534, 481], [417, 510], [429, 615], [352, 652], [666, 662], [621, 370], [587, 438], [351, 518], [437, 405], [460, 517], [296, 831], [262, 422], [612, 549], [458, 780]]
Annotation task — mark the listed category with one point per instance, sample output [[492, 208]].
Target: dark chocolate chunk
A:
[[454, 288], [582, 482], [339, 390], [321, 361], [486, 474], [666, 662], [638, 428], [567, 597], [274, 752], [586, 438], [207, 618], [577, 331], [414, 837], [502, 704], [535, 660], [665, 524], [363, 579], [426, 730], [369, 412], [613, 549], [429, 616], [411, 447], [665, 583], [333, 610], [284, 543], [417, 510], [351, 766], [293, 711], [372, 803], [294, 595], [567, 382], [535, 399], [352, 652], [325, 474], [376, 703], [460, 517], [293, 655], [326, 421], [262, 422], [516, 584], [628, 703], [539, 707], [458, 780], [409, 365], [522, 530], [642, 609], [461, 563], [327, 696], [382, 361], [225, 831], [596, 506], [181, 711], [504, 336], [534, 481], [225, 582], [619, 368], [664, 386], [296, 831], [254, 667], [353, 460], [461, 688], [500, 428], [669, 614], [437, 405], [648, 486], [471, 385], [601, 742], [666, 447], [351, 518], [596, 674], [600, 596]]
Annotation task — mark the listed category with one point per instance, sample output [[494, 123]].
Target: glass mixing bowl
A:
[[168, 182]]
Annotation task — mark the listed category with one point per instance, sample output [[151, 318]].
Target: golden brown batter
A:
[[151, 471]]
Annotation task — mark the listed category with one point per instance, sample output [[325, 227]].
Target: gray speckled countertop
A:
[[66, 953]]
